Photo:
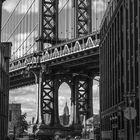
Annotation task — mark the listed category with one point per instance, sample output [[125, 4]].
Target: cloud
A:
[[61, 100], [32, 4], [9, 5], [64, 96], [63, 2], [99, 6], [95, 90], [61, 104], [96, 106], [64, 90], [25, 99], [24, 110], [24, 91]]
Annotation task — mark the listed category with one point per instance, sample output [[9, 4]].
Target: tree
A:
[[21, 124]]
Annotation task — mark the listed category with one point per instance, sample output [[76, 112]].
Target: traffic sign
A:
[[130, 113]]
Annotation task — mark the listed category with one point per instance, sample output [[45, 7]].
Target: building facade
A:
[[4, 88], [4, 83], [120, 71]]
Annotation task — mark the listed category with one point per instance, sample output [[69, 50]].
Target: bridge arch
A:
[[64, 103]]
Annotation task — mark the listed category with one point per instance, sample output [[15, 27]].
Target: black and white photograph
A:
[[70, 70]]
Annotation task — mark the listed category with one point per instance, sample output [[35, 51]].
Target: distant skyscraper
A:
[[66, 115], [64, 119]]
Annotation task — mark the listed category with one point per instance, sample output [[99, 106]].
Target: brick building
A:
[[120, 71], [14, 114], [4, 83], [4, 88]]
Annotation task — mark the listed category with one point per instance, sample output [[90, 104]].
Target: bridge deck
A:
[[71, 56]]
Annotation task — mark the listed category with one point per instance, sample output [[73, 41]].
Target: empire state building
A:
[[64, 119]]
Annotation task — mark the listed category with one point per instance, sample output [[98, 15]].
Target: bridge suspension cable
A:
[[22, 25], [65, 16], [24, 22], [26, 40], [63, 6], [21, 20], [10, 16], [23, 31]]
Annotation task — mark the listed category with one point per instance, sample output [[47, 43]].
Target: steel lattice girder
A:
[[83, 17], [84, 98], [49, 31], [47, 101]]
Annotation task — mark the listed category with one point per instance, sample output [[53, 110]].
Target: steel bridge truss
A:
[[84, 97], [81, 99], [83, 17], [47, 99], [49, 21], [48, 85], [40, 66], [87, 43], [43, 65]]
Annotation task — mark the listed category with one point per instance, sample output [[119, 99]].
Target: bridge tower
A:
[[49, 80], [83, 22], [48, 25]]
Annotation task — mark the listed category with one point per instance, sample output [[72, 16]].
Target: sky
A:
[[27, 95]]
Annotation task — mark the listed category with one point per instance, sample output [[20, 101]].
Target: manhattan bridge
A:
[[56, 41]]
